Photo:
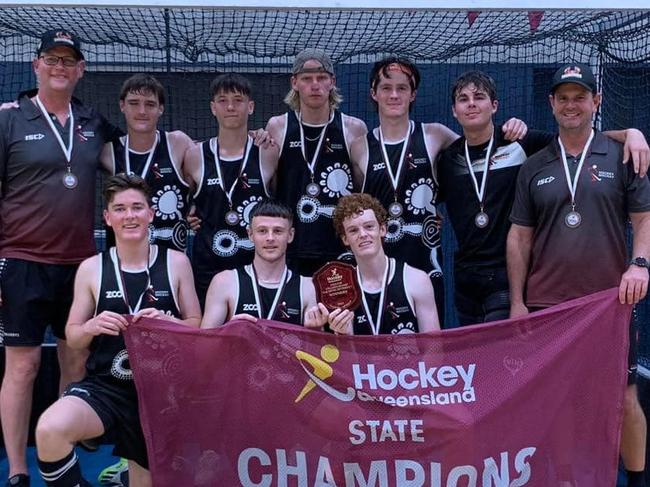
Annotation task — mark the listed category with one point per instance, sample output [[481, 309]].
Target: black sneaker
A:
[[20, 480]]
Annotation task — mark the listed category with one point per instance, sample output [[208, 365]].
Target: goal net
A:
[[186, 47]]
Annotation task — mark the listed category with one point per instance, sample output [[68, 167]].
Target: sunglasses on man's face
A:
[[52, 60]]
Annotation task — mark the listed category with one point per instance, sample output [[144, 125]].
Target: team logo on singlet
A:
[[120, 368], [336, 180], [168, 202], [403, 328], [420, 197], [244, 210]]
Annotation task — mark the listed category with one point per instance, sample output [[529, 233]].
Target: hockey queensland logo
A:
[[420, 383]]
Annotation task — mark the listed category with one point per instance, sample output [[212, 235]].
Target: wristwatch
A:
[[641, 262]]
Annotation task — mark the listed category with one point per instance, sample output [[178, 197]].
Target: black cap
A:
[[577, 73], [59, 37]]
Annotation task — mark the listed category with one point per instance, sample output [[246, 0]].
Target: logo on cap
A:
[[62, 36], [572, 72]]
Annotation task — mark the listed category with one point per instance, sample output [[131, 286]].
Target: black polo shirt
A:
[[40, 219], [565, 262]]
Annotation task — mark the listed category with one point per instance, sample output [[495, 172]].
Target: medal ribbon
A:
[[121, 283], [311, 165], [480, 193], [376, 324], [573, 185], [278, 293], [217, 163], [395, 178], [67, 151], [127, 159]]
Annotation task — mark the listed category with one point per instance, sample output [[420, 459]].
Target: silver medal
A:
[[313, 189], [573, 219], [395, 209], [481, 219], [70, 181], [232, 218]]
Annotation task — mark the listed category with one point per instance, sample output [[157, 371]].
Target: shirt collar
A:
[[32, 111], [598, 146]]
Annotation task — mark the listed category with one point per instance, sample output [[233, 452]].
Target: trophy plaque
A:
[[337, 286]]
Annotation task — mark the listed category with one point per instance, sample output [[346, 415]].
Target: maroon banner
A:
[[534, 401]]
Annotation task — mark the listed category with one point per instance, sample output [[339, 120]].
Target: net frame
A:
[[472, 5]]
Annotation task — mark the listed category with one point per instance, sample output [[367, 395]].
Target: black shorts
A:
[[438, 284], [117, 407], [202, 282], [34, 295], [632, 354], [481, 295]]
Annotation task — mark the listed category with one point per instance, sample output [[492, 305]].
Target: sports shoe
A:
[[19, 480], [124, 478], [116, 475]]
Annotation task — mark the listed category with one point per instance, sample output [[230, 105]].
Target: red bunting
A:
[[471, 17], [534, 19]]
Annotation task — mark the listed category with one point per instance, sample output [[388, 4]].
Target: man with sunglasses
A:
[[49, 154]]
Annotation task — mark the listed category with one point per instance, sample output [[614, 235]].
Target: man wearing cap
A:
[[314, 168], [478, 206], [567, 238], [49, 154]]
